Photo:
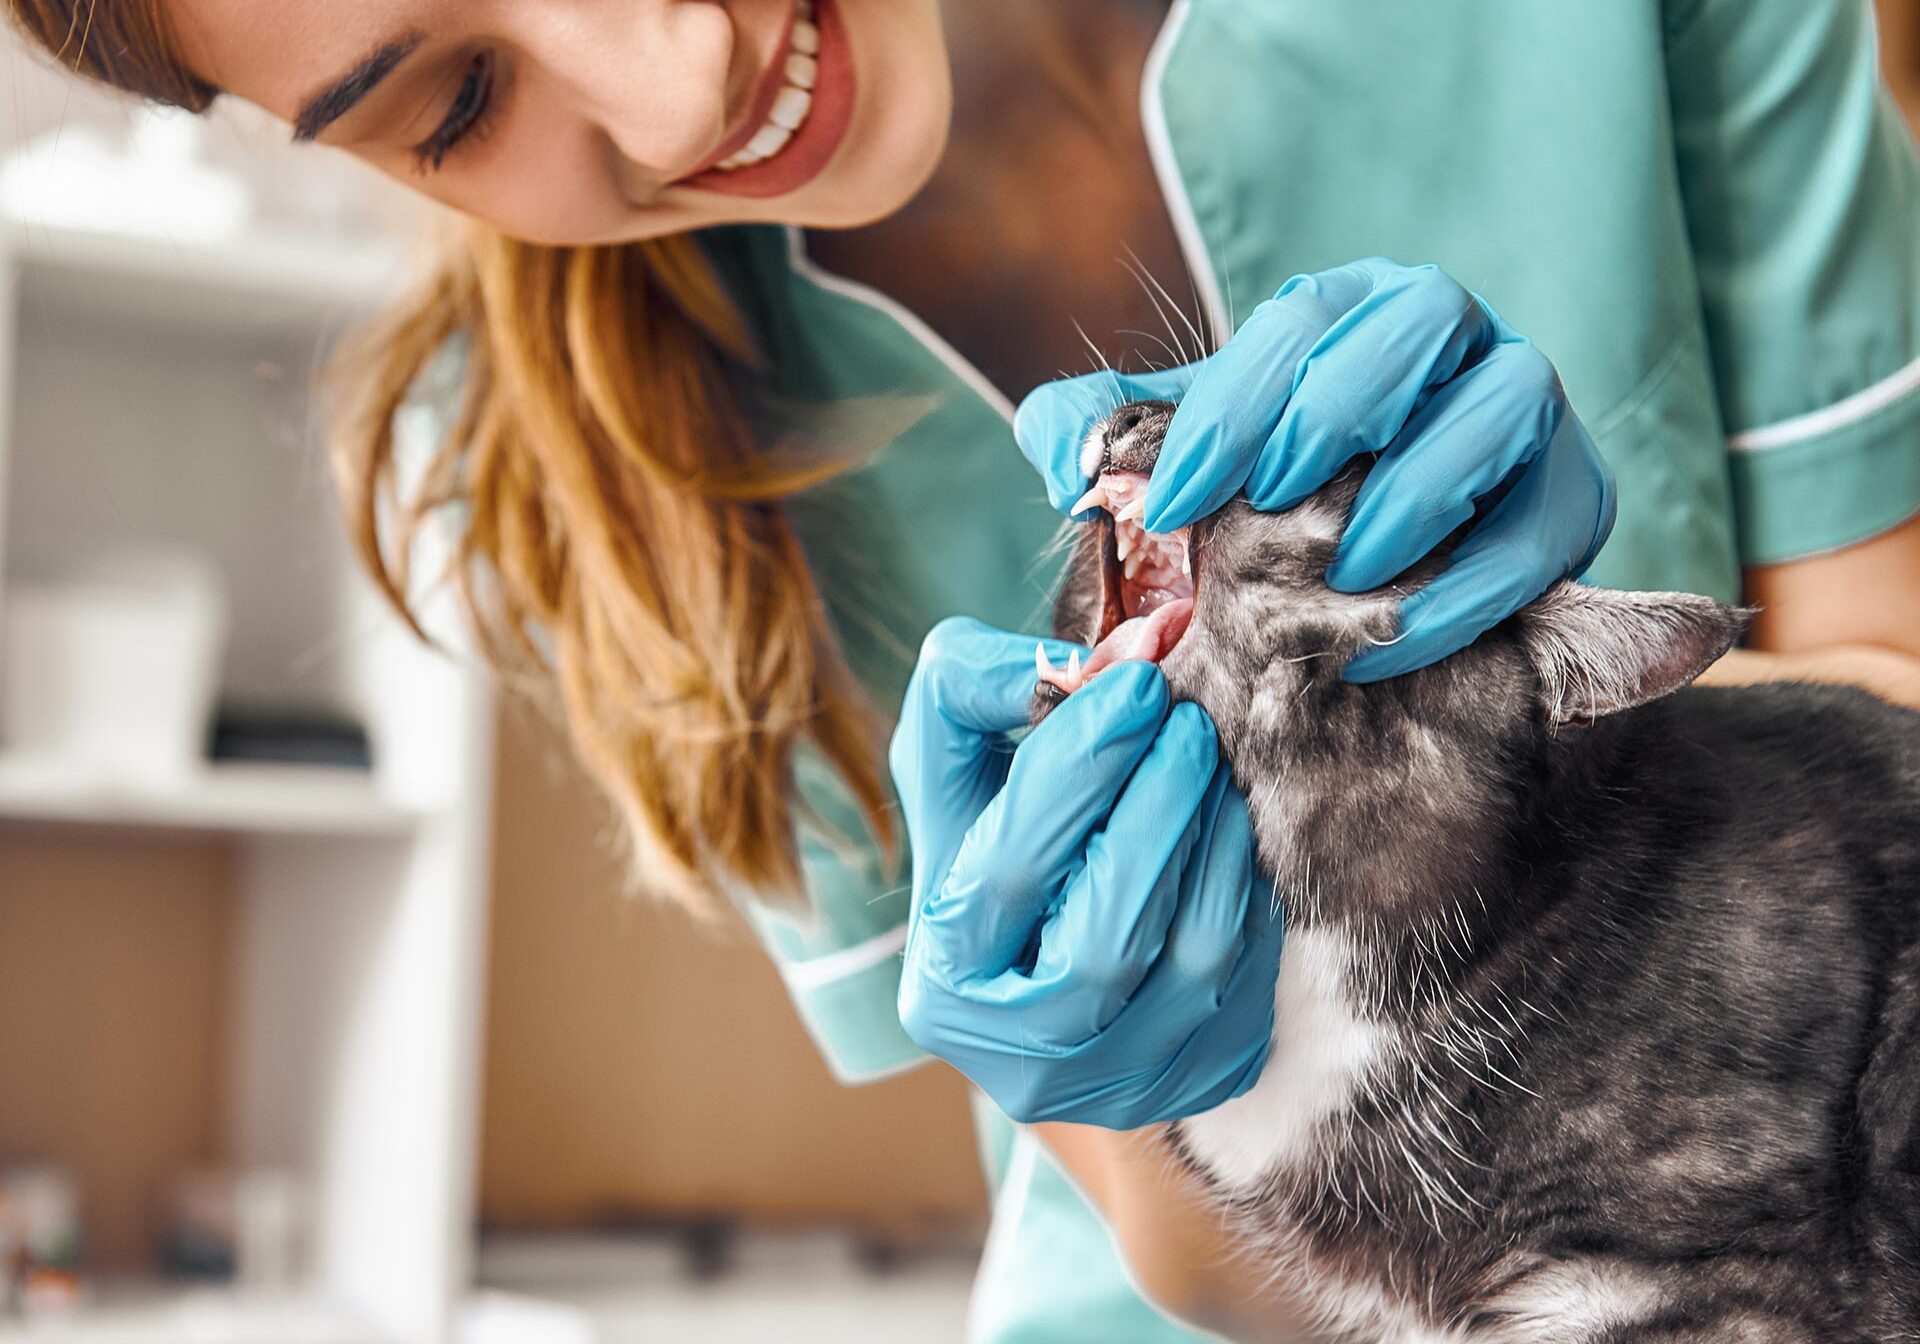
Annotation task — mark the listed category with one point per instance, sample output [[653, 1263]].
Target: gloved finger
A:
[[1471, 436], [1113, 922], [1201, 1026], [1054, 419], [1366, 377], [1188, 982], [1248, 1005], [972, 685], [1513, 555], [1239, 394], [1033, 835]]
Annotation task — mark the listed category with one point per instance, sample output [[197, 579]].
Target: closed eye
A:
[[467, 115]]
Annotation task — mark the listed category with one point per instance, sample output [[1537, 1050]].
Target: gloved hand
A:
[[1370, 358], [1090, 939]]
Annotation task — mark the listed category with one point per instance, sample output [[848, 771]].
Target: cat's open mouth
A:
[[1147, 582]]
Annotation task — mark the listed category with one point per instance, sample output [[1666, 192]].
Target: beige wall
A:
[[113, 992], [638, 1064], [1900, 52]]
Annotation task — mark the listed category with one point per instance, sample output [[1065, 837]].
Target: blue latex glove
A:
[[1090, 939], [1370, 358]]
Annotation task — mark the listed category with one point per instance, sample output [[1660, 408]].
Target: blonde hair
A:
[[624, 551]]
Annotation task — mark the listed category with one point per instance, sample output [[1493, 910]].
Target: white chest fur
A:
[[1324, 1050]]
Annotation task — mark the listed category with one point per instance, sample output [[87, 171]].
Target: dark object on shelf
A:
[[289, 737], [708, 1243]]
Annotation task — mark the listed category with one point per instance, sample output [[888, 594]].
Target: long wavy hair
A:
[[623, 553]]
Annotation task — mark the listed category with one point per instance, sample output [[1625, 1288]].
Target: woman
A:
[[1703, 209]]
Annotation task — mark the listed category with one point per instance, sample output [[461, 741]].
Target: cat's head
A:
[[1237, 612]]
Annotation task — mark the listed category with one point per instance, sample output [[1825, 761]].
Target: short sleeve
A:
[[1802, 192], [841, 960]]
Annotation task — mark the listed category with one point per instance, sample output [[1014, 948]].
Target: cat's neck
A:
[[1429, 885]]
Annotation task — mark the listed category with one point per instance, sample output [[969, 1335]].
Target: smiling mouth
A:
[[801, 111], [792, 101], [1147, 584]]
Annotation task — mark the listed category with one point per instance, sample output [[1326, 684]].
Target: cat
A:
[[1598, 1015]]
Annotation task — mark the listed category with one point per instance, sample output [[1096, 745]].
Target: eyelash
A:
[[467, 117]]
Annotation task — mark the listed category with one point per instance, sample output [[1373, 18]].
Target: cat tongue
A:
[[1147, 638]]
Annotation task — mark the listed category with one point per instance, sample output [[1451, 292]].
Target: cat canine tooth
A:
[[1095, 498], [1073, 669], [1122, 544], [1136, 509], [1042, 664]]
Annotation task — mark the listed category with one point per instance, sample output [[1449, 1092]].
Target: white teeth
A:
[[793, 103], [1042, 664], [769, 141], [1095, 498], [1122, 544], [1134, 511], [790, 108], [1073, 668]]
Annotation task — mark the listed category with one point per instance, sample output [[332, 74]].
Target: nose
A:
[[1130, 437], [649, 76]]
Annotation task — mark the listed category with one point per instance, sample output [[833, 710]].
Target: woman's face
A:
[[599, 121]]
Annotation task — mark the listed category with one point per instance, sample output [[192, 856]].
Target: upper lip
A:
[[758, 105]]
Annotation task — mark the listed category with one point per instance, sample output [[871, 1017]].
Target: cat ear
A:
[[1598, 651]]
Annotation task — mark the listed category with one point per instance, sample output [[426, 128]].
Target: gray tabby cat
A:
[[1599, 1011]]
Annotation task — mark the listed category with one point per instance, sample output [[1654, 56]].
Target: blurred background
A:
[[315, 961]]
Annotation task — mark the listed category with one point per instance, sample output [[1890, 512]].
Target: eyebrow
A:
[[345, 93]]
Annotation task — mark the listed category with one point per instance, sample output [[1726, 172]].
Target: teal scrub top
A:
[[1706, 212]]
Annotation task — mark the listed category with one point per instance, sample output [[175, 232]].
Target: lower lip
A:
[[813, 146]]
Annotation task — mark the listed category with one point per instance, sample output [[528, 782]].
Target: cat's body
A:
[[1599, 1011]]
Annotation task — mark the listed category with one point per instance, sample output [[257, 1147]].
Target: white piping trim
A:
[[1166, 166], [805, 976], [1848, 411], [842, 1072], [854, 1078], [1009, 1207], [806, 267]]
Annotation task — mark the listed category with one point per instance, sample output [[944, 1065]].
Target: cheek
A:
[[539, 184]]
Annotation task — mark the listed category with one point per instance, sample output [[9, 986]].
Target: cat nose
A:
[[1130, 437], [1127, 419]]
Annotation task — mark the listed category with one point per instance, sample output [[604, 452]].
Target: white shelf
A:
[[253, 285], [804, 1288], [194, 1316], [243, 799], [158, 392]]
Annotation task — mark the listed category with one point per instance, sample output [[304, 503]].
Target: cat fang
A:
[[1149, 586]]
